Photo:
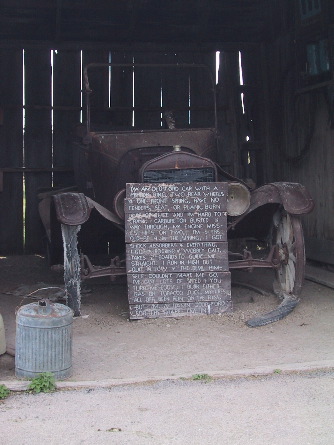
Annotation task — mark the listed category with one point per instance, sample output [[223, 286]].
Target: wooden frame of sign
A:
[[176, 251]]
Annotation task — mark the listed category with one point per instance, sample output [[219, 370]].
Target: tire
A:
[[72, 276], [287, 236]]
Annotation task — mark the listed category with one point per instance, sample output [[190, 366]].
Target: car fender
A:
[[294, 197], [74, 209]]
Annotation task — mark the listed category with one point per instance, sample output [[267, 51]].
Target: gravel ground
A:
[[277, 410]]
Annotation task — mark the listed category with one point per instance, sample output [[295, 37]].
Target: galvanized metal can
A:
[[2, 337], [44, 340]]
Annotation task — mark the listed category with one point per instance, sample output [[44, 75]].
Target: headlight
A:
[[238, 199]]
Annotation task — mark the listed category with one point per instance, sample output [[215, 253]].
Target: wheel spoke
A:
[[292, 257], [290, 273], [285, 230], [290, 242]]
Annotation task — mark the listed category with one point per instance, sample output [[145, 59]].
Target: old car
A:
[[263, 223]]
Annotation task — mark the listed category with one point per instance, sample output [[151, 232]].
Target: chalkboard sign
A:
[[177, 252]]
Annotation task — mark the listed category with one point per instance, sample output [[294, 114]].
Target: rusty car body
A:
[[264, 227]]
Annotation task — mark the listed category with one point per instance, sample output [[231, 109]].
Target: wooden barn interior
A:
[[273, 62]]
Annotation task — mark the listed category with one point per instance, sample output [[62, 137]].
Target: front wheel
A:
[[288, 240], [287, 236]]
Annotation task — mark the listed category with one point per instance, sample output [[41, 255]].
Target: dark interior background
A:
[[276, 120]]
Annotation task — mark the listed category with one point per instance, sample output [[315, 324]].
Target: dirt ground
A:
[[107, 346]]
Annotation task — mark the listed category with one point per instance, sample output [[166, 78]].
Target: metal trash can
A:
[[44, 340]]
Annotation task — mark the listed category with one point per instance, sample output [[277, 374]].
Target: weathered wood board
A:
[[37, 141], [178, 287], [176, 257], [139, 311], [171, 227], [177, 252], [176, 197], [147, 92], [66, 112], [11, 151]]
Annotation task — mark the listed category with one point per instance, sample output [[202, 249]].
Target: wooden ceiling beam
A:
[[131, 47]]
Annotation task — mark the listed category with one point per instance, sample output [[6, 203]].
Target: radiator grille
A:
[[180, 175]]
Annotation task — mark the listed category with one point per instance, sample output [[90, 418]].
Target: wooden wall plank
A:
[[201, 92], [99, 84], [147, 93], [175, 90], [253, 120], [37, 141], [229, 106], [302, 140], [66, 94], [321, 250], [39, 150], [11, 151], [121, 92]]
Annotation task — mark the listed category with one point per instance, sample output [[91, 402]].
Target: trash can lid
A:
[[44, 313]]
